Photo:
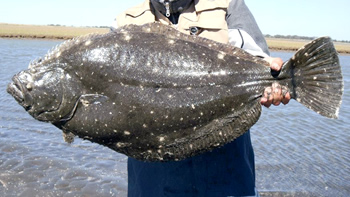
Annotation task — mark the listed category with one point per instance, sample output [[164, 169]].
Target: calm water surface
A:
[[298, 152]]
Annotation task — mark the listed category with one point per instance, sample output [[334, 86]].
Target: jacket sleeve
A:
[[243, 30]]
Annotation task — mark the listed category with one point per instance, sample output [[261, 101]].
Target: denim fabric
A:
[[225, 171]]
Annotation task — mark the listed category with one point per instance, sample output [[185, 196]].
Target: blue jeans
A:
[[225, 171]]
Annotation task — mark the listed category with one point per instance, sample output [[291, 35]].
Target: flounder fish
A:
[[155, 94]]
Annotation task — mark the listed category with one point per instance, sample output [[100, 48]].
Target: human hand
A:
[[276, 94]]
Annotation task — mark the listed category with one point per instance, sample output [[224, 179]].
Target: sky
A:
[[312, 18]]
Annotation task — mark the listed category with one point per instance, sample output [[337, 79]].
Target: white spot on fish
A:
[[58, 54], [217, 73], [87, 43], [193, 107], [127, 133], [171, 41], [151, 112], [68, 76], [84, 102], [221, 55], [161, 139], [120, 144], [127, 37]]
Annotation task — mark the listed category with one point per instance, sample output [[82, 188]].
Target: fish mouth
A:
[[18, 91]]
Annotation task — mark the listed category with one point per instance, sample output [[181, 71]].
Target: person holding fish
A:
[[228, 170]]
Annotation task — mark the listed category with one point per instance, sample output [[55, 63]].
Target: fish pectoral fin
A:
[[86, 100], [68, 137], [92, 99]]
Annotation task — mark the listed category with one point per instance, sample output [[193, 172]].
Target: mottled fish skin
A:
[[151, 92]]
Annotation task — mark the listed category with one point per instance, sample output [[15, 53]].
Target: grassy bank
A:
[[47, 32], [293, 45], [62, 32]]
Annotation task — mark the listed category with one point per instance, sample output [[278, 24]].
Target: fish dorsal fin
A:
[[56, 51], [172, 33]]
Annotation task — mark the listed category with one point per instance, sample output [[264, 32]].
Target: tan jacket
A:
[[207, 15]]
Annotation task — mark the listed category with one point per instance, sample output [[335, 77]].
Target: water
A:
[[298, 152]]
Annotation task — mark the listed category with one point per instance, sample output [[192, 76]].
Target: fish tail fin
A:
[[317, 81]]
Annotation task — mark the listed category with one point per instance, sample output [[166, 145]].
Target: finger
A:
[[286, 98], [266, 103], [275, 63], [284, 91], [266, 100], [276, 94], [286, 95], [275, 66]]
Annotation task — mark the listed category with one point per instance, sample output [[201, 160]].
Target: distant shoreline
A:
[[46, 32], [65, 33]]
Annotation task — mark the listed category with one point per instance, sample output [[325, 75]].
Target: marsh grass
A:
[[48, 32], [293, 45], [63, 32]]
